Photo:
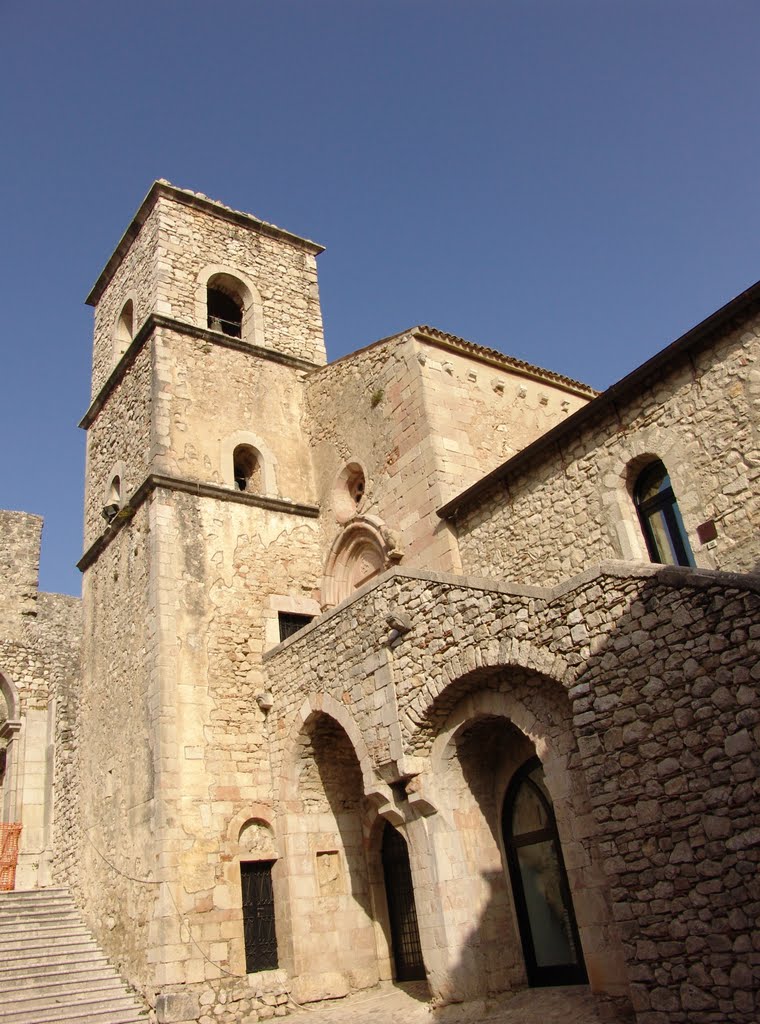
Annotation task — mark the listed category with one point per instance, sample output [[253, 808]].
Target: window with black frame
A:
[[660, 517]]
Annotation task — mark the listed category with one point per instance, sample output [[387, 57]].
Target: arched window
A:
[[544, 906], [246, 468], [660, 518], [124, 329], [224, 305]]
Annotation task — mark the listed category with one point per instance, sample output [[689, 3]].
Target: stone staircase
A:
[[51, 970]]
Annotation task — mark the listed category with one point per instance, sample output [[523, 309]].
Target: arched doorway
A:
[[402, 912], [546, 919]]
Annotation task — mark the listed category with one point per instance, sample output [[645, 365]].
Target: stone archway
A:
[[332, 945], [504, 717]]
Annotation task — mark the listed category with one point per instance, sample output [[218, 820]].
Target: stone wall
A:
[[20, 535], [572, 506], [652, 783], [39, 658], [136, 278], [210, 399], [117, 811], [121, 440], [423, 419]]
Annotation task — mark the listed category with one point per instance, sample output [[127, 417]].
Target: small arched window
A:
[[224, 306], [660, 518], [124, 329], [246, 468]]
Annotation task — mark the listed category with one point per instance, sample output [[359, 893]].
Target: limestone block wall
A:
[[284, 274], [123, 438], [658, 667], [136, 278], [423, 421], [368, 409], [212, 399], [20, 535], [216, 565], [573, 505], [113, 858], [39, 656], [480, 413]]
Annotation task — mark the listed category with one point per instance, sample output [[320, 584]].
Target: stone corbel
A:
[[9, 727]]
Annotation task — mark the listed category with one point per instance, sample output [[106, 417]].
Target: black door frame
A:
[[402, 911], [538, 975]]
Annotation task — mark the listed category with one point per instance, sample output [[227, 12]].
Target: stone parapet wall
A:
[[660, 669], [572, 504], [20, 535]]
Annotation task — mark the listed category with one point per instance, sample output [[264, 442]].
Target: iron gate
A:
[[405, 934], [258, 915]]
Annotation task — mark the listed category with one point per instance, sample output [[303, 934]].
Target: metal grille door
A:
[[258, 916], [405, 934]]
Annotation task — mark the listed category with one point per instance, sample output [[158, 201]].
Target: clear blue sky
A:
[[574, 182]]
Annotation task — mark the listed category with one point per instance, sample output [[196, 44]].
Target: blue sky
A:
[[574, 182]]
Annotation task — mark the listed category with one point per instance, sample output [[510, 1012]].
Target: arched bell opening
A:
[[543, 902]]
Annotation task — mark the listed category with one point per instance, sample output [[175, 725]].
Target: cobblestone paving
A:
[[407, 1004]]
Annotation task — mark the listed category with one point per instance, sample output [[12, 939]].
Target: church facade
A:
[[426, 663]]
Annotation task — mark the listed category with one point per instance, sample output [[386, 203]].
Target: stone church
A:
[[427, 663]]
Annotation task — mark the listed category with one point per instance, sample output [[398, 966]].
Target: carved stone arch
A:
[[618, 473], [267, 459], [124, 326], [244, 289], [363, 549], [322, 703]]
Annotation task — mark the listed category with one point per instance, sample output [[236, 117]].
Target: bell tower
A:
[[200, 521]]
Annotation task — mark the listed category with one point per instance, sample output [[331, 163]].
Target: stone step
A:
[[26, 967], [39, 950], [63, 974], [26, 917], [51, 992], [51, 970], [103, 1011], [51, 932]]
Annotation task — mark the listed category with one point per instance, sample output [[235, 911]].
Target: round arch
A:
[[245, 291], [361, 551], [324, 704]]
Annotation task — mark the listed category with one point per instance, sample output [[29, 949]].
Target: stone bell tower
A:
[[200, 526]]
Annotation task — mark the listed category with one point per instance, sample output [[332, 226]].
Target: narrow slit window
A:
[[660, 517], [125, 329]]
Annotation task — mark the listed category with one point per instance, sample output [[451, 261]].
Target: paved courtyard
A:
[[407, 1004]]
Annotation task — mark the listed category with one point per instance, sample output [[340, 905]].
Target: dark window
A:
[[258, 915], [660, 519], [225, 313], [246, 469], [545, 915], [291, 623]]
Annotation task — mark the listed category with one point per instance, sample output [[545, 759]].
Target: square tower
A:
[[200, 506]]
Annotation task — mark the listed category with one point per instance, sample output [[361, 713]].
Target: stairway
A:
[[51, 970]]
